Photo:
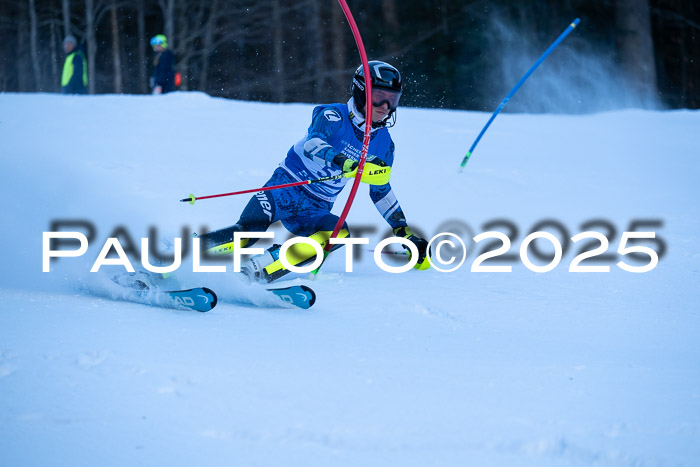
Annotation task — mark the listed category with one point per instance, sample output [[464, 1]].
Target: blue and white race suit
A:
[[335, 129]]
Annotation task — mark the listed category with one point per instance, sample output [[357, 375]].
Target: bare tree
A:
[[142, 61], [65, 7], [198, 37], [635, 45], [208, 44], [279, 93], [90, 38], [391, 18], [116, 50], [168, 9], [189, 30], [55, 77], [94, 11], [340, 59], [315, 51], [34, 43], [271, 49], [22, 30]]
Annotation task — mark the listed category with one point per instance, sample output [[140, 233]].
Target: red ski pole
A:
[[192, 198]]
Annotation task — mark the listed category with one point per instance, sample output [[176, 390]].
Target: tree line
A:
[[455, 54]]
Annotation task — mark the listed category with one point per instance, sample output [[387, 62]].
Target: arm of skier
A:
[[326, 121], [389, 208]]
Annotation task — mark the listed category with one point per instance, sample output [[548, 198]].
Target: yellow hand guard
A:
[[373, 174]]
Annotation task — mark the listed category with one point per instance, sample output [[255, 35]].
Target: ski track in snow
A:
[[422, 368]]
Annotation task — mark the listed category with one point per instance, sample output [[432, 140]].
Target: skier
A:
[[163, 79], [332, 146]]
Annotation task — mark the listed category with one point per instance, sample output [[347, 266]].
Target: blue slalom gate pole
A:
[[517, 86]]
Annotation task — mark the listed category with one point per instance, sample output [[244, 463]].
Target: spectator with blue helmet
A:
[[163, 78]]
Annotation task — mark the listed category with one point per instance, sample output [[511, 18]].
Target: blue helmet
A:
[[161, 40]]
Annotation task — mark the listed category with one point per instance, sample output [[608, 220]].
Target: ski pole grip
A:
[[190, 200]]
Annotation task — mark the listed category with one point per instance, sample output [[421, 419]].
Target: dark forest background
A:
[[454, 54]]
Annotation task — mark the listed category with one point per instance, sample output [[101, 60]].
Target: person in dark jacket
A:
[[74, 78], [163, 78]]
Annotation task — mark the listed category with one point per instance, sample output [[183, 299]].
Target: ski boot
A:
[[254, 268]]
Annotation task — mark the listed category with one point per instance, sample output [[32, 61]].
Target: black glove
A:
[[345, 163], [348, 165], [420, 243]]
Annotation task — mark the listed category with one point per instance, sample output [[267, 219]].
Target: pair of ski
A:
[[204, 299], [199, 298]]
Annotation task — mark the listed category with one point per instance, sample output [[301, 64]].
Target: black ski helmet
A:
[[384, 77]]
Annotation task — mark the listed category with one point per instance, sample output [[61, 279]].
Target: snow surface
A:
[[421, 368]]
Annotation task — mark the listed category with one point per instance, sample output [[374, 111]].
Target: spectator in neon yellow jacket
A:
[[74, 78]]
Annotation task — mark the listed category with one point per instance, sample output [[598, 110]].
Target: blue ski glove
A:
[[420, 243]]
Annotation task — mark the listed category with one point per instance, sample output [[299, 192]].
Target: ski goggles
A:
[[384, 96]]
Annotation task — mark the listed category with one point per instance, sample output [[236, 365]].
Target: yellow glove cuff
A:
[[374, 174]]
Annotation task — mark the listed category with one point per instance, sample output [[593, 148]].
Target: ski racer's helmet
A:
[[161, 40], [386, 87]]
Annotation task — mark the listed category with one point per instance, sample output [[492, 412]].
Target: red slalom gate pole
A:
[[368, 127], [192, 198]]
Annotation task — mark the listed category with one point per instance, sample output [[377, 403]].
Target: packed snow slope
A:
[[421, 368]]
